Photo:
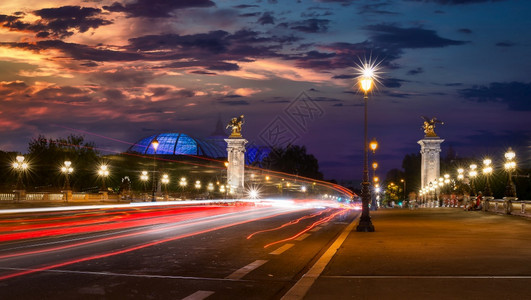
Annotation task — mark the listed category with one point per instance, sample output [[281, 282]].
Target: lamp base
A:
[[365, 225]]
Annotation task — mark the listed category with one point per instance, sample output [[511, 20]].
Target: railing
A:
[[22, 196], [508, 206]]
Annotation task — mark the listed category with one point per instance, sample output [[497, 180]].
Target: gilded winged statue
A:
[[429, 126], [236, 126]]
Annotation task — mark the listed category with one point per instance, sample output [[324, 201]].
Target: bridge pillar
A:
[[235, 169]]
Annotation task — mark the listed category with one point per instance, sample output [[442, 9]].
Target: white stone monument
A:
[[430, 148], [236, 157]]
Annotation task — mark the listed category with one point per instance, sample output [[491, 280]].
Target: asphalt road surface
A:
[[164, 252]]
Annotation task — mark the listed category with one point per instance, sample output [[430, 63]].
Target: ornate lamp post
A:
[[144, 177], [165, 180], [365, 224], [510, 166], [155, 145], [183, 183], [67, 170], [473, 173], [21, 166], [210, 189], [404, 188], [487, 170], [103, 172], [375, 179]]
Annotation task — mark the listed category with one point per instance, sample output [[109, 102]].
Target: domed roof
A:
[[178, 144]]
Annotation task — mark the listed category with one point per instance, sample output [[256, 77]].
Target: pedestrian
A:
[[479, 200]]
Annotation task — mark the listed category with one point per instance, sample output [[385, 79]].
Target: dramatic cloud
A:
[[516, 95], [505, 44], [57, 22], [465, 30], [415, 71], [311, 25], [391, 36], [266, 18], [156, 8]]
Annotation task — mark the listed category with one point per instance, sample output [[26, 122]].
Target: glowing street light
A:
[[373, 145], [510, 166], [366, 80], [487, 170], [165, 180], [473, 173], [67, 170], [155, 145], [183, 183], [103, 172], [20, 166]]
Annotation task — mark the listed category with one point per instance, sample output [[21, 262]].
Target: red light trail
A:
[[319, 222]]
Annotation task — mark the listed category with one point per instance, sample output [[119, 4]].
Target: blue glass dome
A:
[[182, 144], [178, 144]]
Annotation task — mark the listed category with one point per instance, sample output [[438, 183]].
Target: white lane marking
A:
[[315, 229], [238, 274], [299, 290], [302, 237], [281, 249], [199, 295], [123, 275]]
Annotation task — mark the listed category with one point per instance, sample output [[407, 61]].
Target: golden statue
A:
[[429, 126], [236, 125]]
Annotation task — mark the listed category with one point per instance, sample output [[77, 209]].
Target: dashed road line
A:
[[238, 274], [302, 237], [315, 229], [281, 249], [199, 295], [299, 290]]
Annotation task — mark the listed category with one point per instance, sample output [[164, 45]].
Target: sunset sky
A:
[[117, 71]]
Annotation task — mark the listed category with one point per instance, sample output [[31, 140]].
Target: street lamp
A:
[[404, 191], [183, 183], [20, 166], [165, 180], [510, 166], [473, 173], [373, 145], [155, 145], [144, 177], [487, 170], [103, 172], [67, 169], [460, 175], [365, 224]]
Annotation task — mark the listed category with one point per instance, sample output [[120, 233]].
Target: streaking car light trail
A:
[[125, 223], [319, 222], [292, 222], [137, 247], [118, 235]]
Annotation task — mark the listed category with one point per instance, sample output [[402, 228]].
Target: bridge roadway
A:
[[442, 253]]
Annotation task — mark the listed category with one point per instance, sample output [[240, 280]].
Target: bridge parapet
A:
[[509, 206]]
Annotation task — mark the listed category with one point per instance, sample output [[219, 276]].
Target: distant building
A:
[[182, 145]]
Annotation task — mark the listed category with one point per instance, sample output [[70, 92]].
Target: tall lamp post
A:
[[375, 179], [155, 145], [473, 173], [165, 180], [144, 177], [510, 166], [487, 170], [67, 170], [183, 183], [404, 188], [103, 172], [365, 224], [20, 166]]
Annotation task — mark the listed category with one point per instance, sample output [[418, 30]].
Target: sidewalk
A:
[[442, 253]]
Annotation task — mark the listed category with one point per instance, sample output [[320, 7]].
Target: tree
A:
[[411, 165], [46, 157], [293, 160]]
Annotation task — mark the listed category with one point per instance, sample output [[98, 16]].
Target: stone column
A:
[[430, 148], [236, 158]]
